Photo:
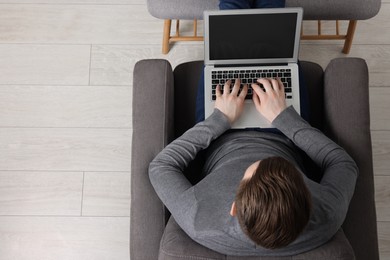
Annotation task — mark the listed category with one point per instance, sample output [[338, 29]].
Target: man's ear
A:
[[233, 210]]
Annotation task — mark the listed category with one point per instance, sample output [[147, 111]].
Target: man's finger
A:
[[256, 100], [281, 85], [236, 87], [266, 84], [244, 91], [218, 91], [226, 87], [259, 91], [275, 84]]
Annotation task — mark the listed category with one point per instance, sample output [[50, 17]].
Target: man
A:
[[275, 210]]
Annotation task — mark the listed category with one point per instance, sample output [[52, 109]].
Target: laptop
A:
[[250, 44]]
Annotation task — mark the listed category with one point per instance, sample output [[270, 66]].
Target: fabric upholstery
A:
[[313, 10], [346, 104], [176, 245], [152, 130]]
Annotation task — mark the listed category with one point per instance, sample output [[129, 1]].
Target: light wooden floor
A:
[[65, 120]]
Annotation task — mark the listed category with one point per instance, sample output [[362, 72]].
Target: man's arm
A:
[[339, 170], [166, 170]]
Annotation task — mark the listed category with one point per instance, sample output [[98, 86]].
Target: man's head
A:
[[272, 203]]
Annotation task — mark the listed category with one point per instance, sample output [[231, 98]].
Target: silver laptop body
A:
[[263, 43]]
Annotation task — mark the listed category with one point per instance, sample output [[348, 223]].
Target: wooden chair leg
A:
[[349, 36], [166, 36]]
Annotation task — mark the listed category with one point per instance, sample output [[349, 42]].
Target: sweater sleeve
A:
[[166, 170], [339, 169]]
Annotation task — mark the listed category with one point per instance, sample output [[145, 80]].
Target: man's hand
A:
[[271, 102], [230, 103]]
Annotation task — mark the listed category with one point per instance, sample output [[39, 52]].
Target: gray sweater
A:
[[202, 211]]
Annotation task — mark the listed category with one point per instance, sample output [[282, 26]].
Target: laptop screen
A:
[[252, 36]]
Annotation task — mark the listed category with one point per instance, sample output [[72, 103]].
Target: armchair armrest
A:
[[152, 130], [347, 121]]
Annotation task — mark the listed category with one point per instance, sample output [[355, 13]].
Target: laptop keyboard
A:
[[248, 77]]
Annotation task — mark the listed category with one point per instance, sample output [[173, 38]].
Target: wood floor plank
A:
[[65, 149], [106, 194], [113, 64], [65, 106], [379, 108], [384, 240], [78, 24], [90, 2], [382, 197], [377, 58], [44, 64], [381, 153], [40, 193], [64, 238]]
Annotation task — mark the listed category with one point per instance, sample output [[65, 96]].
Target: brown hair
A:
[[273, 207]]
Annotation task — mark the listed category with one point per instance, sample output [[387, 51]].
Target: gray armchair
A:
[[339, 106]]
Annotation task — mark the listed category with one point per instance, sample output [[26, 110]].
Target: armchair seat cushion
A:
[[313, 10], [176, 245]]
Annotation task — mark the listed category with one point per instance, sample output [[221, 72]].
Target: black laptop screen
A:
[[252, 36]]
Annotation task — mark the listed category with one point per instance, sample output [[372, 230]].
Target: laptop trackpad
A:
[[251, 118]]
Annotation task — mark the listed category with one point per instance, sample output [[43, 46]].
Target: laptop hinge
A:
[[249, 65]]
